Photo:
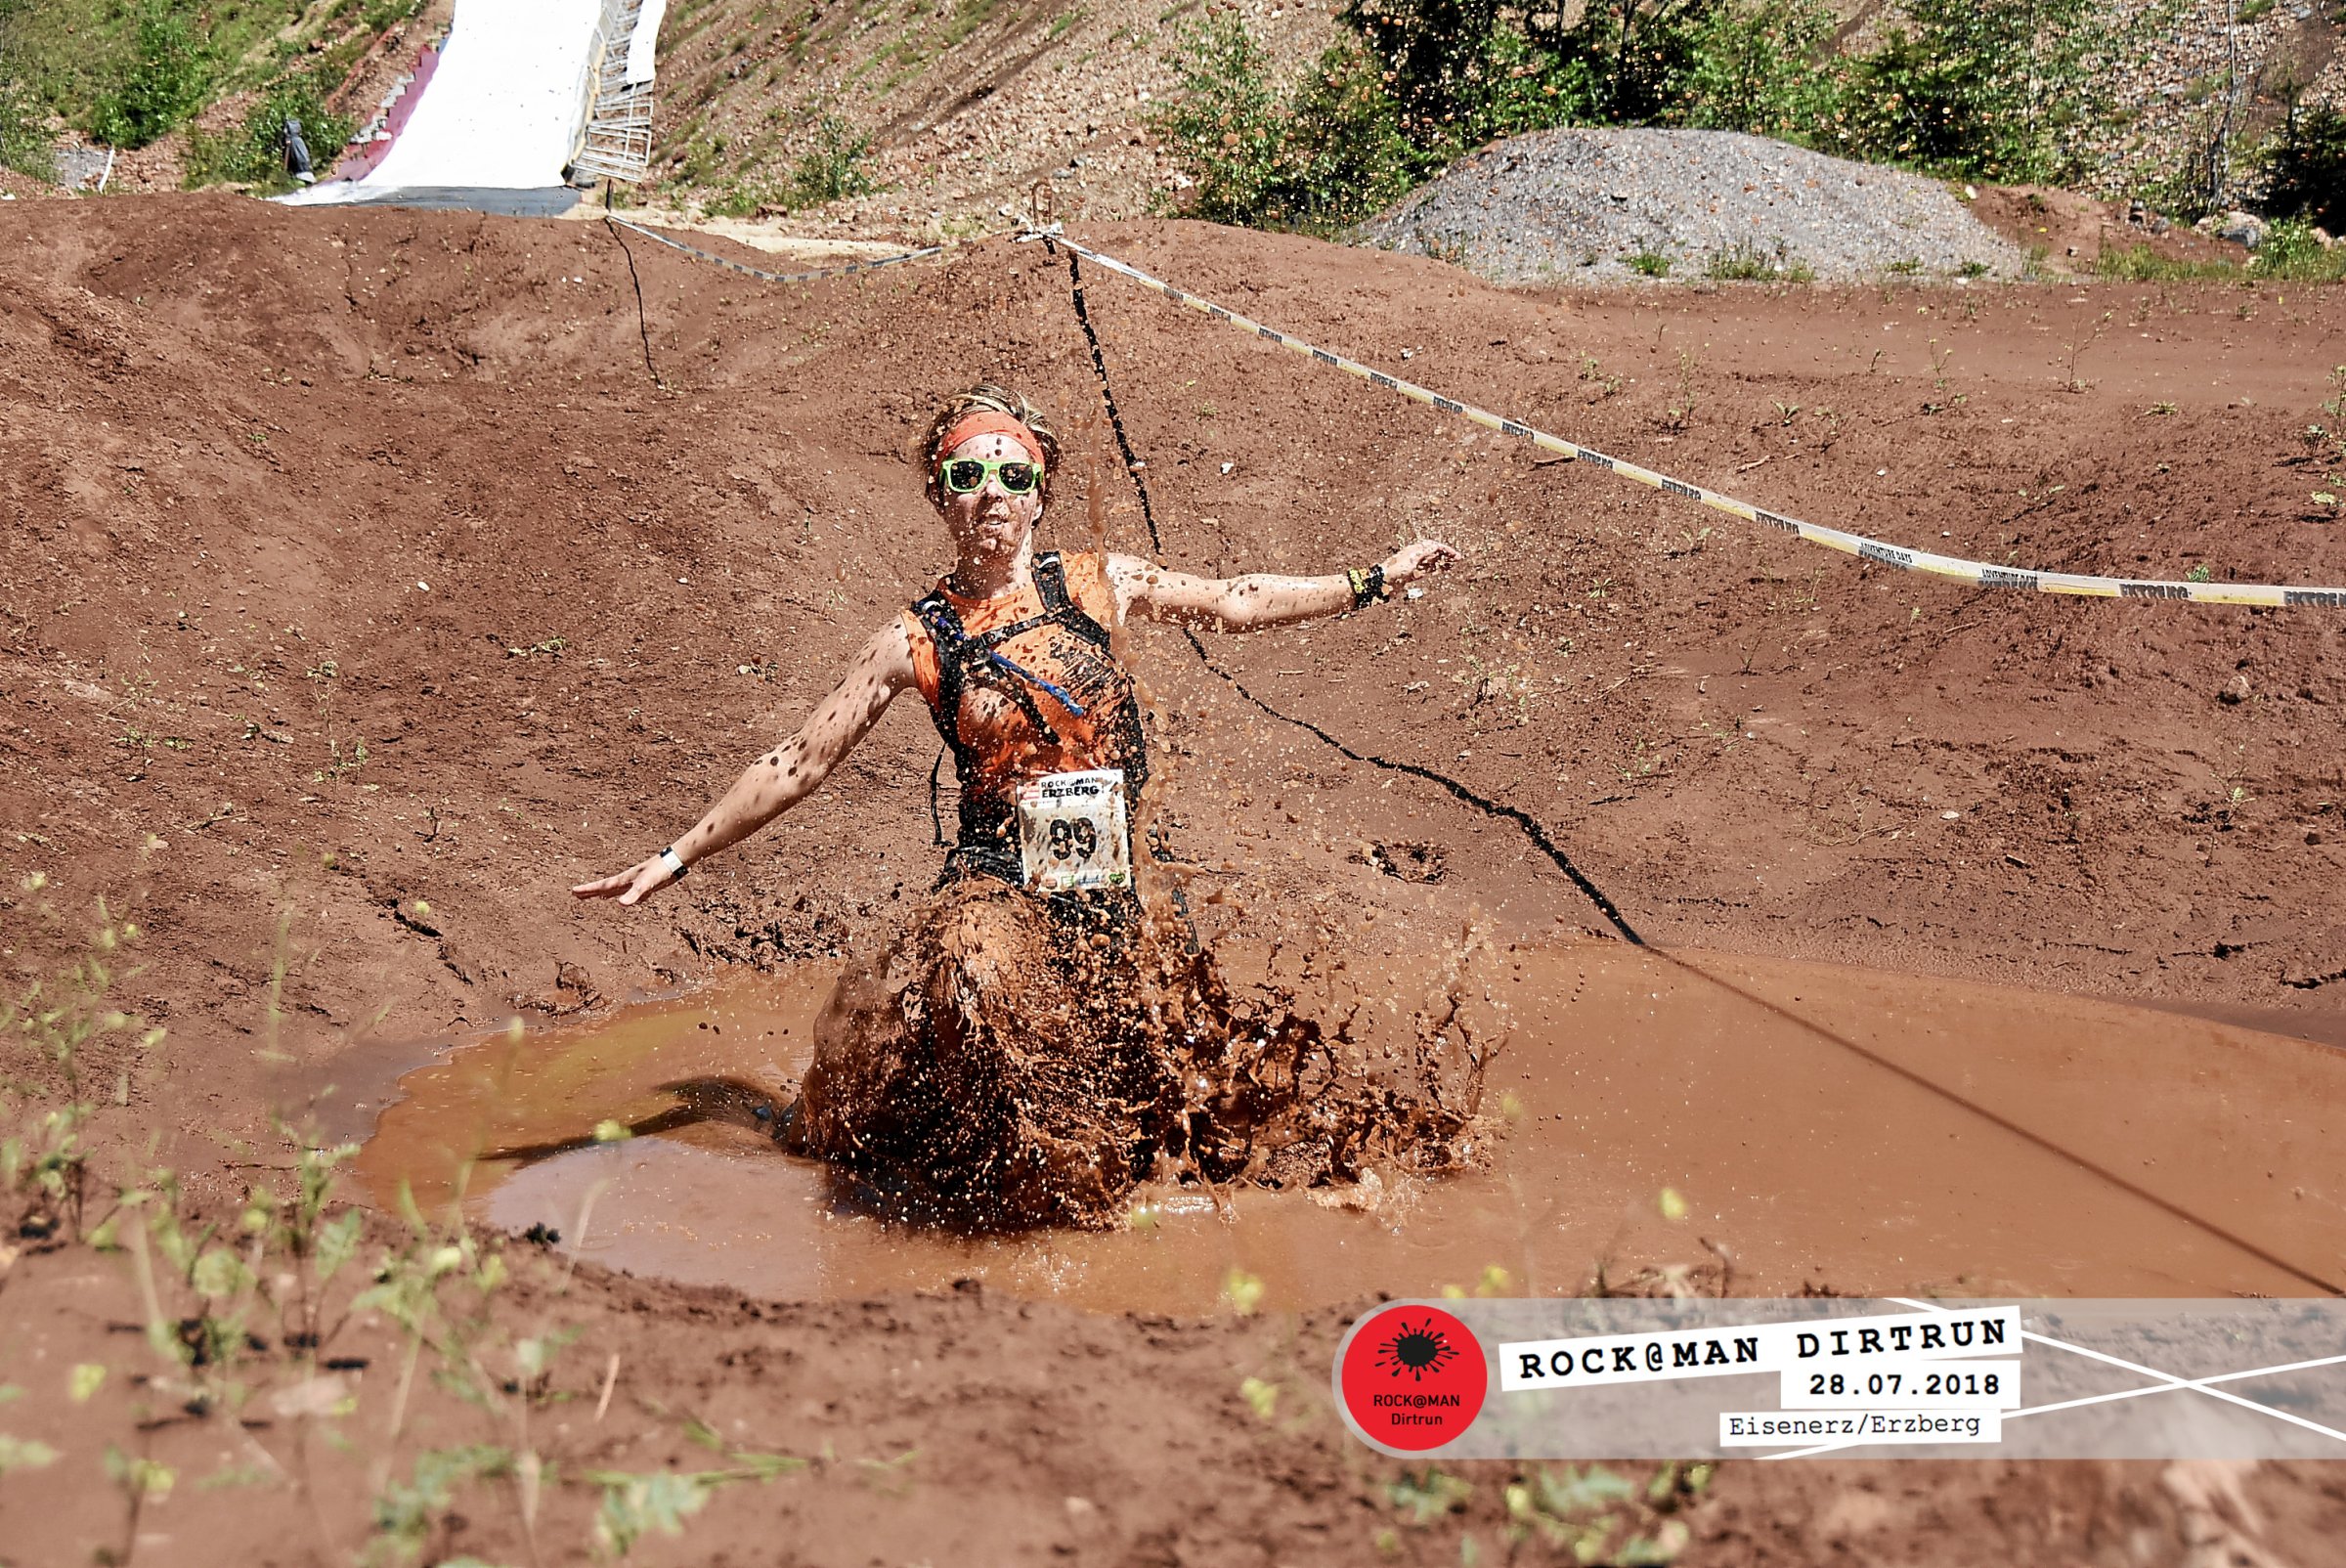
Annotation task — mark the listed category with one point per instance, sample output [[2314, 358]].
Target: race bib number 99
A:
[[1071, 832]]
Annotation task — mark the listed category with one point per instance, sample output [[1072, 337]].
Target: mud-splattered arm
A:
[[785, 775], [1258, 599]]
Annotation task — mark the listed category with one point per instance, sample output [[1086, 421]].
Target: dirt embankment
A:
[[362, 574]]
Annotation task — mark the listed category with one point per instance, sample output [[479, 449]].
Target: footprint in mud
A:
[[1410, 861]]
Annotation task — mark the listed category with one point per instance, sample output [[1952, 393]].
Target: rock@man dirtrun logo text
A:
[[1412, 1377]]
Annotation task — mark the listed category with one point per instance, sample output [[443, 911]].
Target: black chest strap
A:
[[958, 653]]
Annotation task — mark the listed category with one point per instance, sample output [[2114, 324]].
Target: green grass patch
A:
[[1747, 261], [2291, 254], [1648, 264], [968, 17], [2140, 264], [25, 145]]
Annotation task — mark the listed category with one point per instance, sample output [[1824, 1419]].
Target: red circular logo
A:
[[1413, 1378]]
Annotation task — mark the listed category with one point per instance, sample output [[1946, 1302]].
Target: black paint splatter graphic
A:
[[1416, 1351]]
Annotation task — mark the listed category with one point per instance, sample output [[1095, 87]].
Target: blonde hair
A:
[[998, 400]]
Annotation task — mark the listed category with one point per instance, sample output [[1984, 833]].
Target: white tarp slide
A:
[[501, 112], [644, 42]]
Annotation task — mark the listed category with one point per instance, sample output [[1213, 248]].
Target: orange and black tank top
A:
[[1023, 685]]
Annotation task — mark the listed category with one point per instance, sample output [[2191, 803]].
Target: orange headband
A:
[[987, 422]]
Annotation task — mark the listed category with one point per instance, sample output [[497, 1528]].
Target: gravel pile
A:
[[1578, 206]]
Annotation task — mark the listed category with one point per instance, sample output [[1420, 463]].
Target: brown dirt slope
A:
[[967, 104], [362, 576]]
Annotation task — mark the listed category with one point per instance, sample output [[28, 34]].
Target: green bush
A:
[[1463, 73], [163, 81], [1765, 68], [832, 169], [254, 154], [1982, 89], [1328, 153], [1996, 89], [2309, 169]]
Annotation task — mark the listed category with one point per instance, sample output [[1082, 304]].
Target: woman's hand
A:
[[631, 886], [1418, 558]]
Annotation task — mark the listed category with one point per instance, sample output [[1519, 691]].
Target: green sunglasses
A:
[[966, 476]]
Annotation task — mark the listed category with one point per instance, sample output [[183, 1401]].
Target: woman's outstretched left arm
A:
[[1262, 599]]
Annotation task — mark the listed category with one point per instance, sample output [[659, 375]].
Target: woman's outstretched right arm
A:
[[785, 775]]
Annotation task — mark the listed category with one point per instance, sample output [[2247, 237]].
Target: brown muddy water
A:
[[1681, 1120]]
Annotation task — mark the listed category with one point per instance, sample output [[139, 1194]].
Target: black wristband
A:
[[1368, 584]]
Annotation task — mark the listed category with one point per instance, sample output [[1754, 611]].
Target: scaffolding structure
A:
[[617, 143]]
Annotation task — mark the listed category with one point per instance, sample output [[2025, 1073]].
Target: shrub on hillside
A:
[[1326, 153], [163, 81], [833, 167], [1995, 89], [2309, 169], [1464, 71]]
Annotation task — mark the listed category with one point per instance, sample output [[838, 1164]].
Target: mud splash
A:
[[1014, 1061], [2029, 1144]]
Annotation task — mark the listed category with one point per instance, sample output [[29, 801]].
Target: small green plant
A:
[[2082, 341], [1747, 261], [831, 168], [1424, 1496], [49, 1030], [2140, 264], [412, 1517], [2290, 253], [1648, 263], [1682, 408], [2198, 574]]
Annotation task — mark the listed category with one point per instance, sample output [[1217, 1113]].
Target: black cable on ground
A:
[[1463, 792], [1115, 419], [1548, 845], [643, 329]]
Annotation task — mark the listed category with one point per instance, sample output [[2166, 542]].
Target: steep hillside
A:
[[965, 104]]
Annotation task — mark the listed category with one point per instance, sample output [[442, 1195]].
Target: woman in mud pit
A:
[[1015, 1056]]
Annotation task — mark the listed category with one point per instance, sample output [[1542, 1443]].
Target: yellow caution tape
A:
[[1872, 550]]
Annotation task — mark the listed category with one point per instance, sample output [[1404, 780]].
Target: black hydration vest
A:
[[986, 825]]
